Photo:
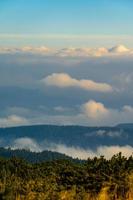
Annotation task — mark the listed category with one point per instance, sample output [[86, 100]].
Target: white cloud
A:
[[26, 143], [13, 120], [94, 110], [63, 80], [81, 153], [119, 49]]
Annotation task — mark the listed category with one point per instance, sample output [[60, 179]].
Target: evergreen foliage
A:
[[94, 179]]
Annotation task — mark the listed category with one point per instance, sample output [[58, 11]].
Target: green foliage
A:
[[65, 179]]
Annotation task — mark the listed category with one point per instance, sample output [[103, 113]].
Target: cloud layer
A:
[[107, 151], [118, 50], [75, 152]]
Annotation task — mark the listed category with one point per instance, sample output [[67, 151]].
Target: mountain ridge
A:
[[77, 136]]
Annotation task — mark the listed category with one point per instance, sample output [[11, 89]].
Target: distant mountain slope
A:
[[84, 137]]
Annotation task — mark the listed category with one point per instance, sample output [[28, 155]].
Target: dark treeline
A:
[[94, 179], [34, 157]]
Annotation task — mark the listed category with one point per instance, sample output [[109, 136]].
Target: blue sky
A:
[[65, 17]]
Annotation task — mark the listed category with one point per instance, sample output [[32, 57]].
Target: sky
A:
[[61, 23], [66, 62]]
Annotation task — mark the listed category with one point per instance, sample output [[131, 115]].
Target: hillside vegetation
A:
[[94, 179]]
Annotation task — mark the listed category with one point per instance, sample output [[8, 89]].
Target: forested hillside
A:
[[84, 137], [34, 157], [95, 179]]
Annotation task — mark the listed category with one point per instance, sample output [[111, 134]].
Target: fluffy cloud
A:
[[119, 49], [63, 80], [94, 110], [13, 120], [26, 143]]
